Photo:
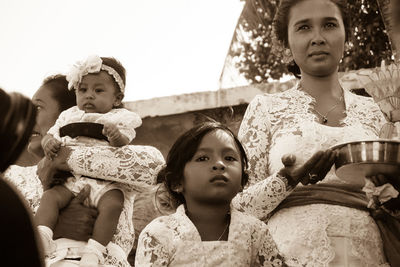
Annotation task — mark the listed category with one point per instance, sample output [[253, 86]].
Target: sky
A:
[[168, 47]]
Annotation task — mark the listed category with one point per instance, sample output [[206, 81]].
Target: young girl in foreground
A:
[[205, 169], [99, 84]]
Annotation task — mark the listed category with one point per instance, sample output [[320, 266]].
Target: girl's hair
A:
[[281, 22], [59, 91], [183, 150], [117, 66]]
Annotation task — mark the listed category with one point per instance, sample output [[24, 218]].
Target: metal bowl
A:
[[360, 159]]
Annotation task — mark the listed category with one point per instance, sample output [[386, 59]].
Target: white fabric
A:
[[276, 124], [174, 241], [135, 166], [125, 120]]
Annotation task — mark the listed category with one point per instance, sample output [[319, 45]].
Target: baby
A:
[[99, 84]]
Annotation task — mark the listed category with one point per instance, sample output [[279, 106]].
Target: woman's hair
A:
[[59, 91], [182, 152], [17, 119], [281, 21]]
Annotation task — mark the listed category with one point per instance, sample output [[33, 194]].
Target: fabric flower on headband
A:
[[93, 64]]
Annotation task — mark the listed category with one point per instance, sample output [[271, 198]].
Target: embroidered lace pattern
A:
[[174, 240], [134, 165], [282, 123]]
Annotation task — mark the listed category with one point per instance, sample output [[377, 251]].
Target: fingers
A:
[[378, 180], [303, 171], [316, 168], [288, 160], [82, 195]]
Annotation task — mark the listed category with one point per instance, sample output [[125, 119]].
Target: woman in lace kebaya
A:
[[326, 223], [205, 169], [75, 224]]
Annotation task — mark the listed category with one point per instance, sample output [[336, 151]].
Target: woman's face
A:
[[48, 110], [316, 36]]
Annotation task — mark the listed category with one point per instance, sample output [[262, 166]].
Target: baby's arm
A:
[[115, 137], [50, 146]]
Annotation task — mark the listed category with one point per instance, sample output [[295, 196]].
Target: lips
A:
[[88, 105], [219, 178], [318, 53]]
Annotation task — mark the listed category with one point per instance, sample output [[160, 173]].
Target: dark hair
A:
[[17, 119], [281, 21], [59, 91], [117, 66], [183, 150]]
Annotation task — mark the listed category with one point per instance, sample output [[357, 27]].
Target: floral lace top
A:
[[317, 234], [137, 167], [174, 241], [126, 121]]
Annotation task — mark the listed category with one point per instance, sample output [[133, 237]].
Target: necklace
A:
[[226, 227], [324, 118]]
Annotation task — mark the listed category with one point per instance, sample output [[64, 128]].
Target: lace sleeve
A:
[[265, 191], [152, 251], [267, 254], [133, 165], [254, 133], [262, 198]]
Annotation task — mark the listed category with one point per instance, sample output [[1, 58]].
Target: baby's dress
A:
[[173, 240], [316, 234], [126, 122]]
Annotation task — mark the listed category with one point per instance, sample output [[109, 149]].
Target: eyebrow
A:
[[307, 20], [226, 149], [96, 84]]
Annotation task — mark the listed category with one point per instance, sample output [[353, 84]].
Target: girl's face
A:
[[214, 174], [97, 93], [316, 36], [48, 110]]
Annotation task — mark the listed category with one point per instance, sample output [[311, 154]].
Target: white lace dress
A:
[[134, 166], [174, 241], [316, 234]]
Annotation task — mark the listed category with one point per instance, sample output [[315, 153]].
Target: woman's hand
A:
[[45, 171], [311, 172], [76, 221]]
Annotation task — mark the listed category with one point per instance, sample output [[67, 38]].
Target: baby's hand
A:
[[115, 137], [50, 146], [112, 132]]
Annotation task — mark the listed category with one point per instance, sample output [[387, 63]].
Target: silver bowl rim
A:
[[340, 145]]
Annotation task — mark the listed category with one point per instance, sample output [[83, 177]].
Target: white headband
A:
[[93, 64]]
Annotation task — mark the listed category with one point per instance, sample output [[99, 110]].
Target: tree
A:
[[258, 61]]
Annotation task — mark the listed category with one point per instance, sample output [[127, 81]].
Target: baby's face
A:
[[97, 93]]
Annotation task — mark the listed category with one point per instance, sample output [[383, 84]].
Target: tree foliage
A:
[[255, 56]]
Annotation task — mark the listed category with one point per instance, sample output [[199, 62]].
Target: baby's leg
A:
[[109, 207], [52, 201], [46, 216]]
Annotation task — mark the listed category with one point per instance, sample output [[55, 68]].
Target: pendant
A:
[[324, 119]]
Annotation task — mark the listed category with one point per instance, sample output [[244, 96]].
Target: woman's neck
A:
[[321, 87]]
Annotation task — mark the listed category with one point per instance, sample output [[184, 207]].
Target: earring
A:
[[287, 56], [178, 189]]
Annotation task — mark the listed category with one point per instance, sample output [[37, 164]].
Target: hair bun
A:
[[17, 119]]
